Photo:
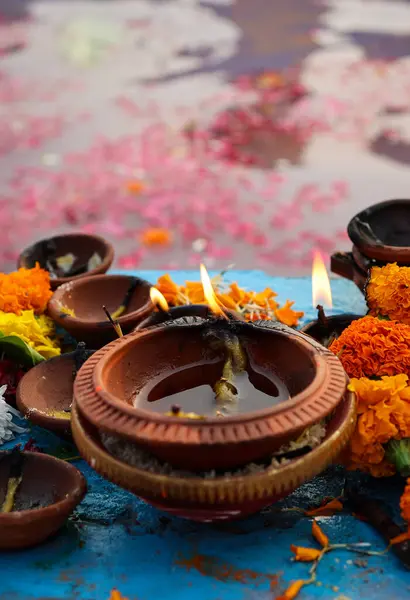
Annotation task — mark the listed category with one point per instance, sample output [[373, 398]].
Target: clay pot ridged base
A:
[[317, 375], [44, 477], [86, 298], [220, 498], [82, 245]]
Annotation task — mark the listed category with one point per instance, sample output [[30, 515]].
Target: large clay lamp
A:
[[210, 395]]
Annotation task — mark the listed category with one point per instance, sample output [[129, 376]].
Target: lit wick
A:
[[159, 301], [210, 296], [115, 324]]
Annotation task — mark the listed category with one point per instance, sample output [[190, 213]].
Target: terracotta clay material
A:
[[344, 265], [48, 493], [335, 324], [86, 298], [382, 231], [189, 310], [220, 498], [107, 384], [82, 245], [48, 387]]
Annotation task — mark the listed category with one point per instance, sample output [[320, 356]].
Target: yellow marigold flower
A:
[[116, 595], [37, 332], [370, 346], [305, 554], [25, 289], [388, 292]]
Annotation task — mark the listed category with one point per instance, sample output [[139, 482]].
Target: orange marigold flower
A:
[[305, 554], [287, 315], [388, 292], [319, 535], [25, 289], [156, 236], [384, 414], [370, 346], [293, 590], [405, 502]]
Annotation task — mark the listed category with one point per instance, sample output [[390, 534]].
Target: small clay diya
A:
[[251, 389], [189, 310], [218, 498], [45, 393], [37, 494], [69, 256], [77, 306], [326, 329], [381, 231]]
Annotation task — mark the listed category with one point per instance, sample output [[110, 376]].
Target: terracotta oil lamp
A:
[[379, 235], [45, 393], [37, 494], [69, 257], [77, 306], [326, 328], [209, 395]]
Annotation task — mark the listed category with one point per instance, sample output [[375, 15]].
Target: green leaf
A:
[[16, 349]]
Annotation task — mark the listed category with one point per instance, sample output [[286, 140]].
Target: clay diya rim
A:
[[77, 492], [114, 415], [371, 249], [168, 486], [106, 260], [69, 322]]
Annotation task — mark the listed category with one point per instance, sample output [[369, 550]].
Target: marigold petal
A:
[[293, 590], [326, 509], [319, 535], [305, 554]]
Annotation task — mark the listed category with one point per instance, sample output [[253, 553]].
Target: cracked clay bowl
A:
[[106, 387]]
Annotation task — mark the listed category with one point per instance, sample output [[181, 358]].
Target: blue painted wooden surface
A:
[[119, 541]]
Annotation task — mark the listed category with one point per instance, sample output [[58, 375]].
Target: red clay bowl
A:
[[46, 388], [82, 245], [220, 498], [177, 312], [86, 298], [48, 493], [382, 231], [107, 383]]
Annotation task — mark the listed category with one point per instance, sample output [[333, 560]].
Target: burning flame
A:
[[209, 293], [321, 292], [158, 299]]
